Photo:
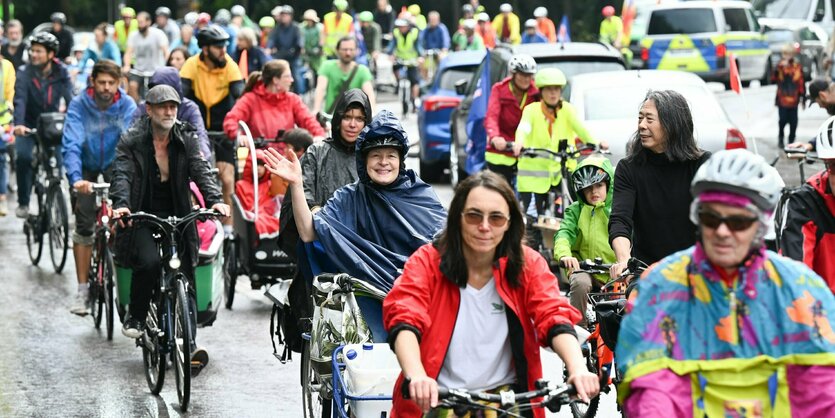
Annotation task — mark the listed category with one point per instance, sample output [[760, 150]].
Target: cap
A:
[[311, 15], [162, 93], [483, 17], [815, 87], [530, 23]]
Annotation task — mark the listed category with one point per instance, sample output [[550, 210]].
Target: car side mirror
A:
[[461, 87]]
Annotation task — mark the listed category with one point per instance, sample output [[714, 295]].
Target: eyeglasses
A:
[[495, 219], [733, 222]]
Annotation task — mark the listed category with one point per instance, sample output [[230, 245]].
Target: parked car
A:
[[572, 58], [821, 12], [808, 40], [437, 104], [609, 102]]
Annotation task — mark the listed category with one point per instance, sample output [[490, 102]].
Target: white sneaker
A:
[[22, 212], [4, 207], [81, 305]]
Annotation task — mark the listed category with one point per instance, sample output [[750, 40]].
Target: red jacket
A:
[[424, 301], [504, 112], [809, 234], [266, 113], [266, 224], [791, 87]]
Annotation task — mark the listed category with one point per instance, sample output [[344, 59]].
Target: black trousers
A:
[[788, 116], [506, 171], [146, 264]]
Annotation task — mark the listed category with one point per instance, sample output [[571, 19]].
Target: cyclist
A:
[[532, 35], [406, 51], [125, 27], [384, 16], [96, 119], [649, 217], [506, 25], [435, 36], [8, 78], [417, 19], [155, 161], [314, 38], [504, 110], [15, 49], [467, 12], [611, 32], [223, 19], [241, 20], [372, 36], [485, 30], [187, 40], [101, 48], [383, 218], [471, 309], [286, 40], [188, 111], [809, 231], [340, 75], [40, 87], [725, 327], [266, 23], [337, 25], [467, 39], [163, 22], [544, 125], [271, 107], [147, 51], [248, 55], [584, 233], [64, 35], [214, 85], [544, 24], [791, 92]]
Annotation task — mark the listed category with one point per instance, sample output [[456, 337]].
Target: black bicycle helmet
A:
[[58, 17], [212, 35], [586, 176], [46, 39], [389, 142]]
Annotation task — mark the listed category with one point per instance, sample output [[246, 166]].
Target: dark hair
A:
[[676, 121], [182, 49], [271, 70], [345, 39], [451, 246], [252, 80], [298, 138], [101, 27], [105, 66]]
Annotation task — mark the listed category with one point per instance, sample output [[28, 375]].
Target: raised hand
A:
[[288, 169]]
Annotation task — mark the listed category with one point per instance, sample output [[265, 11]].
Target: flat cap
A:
[[162, 93]]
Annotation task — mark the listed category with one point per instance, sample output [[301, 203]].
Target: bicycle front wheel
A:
[[152, 355], [96, 290], [59, 229], [182, 345], [107, 294], [33, 227], [314, 403]]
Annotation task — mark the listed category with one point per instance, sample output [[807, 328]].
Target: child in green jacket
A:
[[584, 231]]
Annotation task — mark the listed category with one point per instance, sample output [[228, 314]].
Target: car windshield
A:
[[779, 35], [572, 68], [783, 9], [681, 21], [624, 102], [452, 75]]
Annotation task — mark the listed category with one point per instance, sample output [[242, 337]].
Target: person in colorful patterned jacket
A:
[[791, 92], [726, 328]]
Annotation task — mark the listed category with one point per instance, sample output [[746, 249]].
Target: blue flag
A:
[[476, 134], [564, 32]]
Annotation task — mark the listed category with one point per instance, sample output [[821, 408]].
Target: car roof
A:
[[783, 23], [704, 4], [577, 49], [633, 76], [462, 58]]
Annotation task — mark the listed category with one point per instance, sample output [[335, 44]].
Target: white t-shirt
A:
[[147, 50], [479, 355]]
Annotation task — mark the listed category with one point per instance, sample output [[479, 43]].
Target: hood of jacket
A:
[[819, 182], [168, 76], [384, 126], [604, 164], [247, 173], [102, 129], [347, 98]]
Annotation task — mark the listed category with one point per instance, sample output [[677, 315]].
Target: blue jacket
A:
[[536, 38], [287, 41], [34, 95], [91, 134], [256, 58], [434, 38], [193, 48], [109, 51]]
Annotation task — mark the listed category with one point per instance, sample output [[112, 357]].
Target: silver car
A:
[[608, 103]]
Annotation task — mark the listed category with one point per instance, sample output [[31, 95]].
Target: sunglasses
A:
[[733, 222], [495, 219]]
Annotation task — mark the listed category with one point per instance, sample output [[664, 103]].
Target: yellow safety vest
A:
[[335, 30], [121, 34], [405, 47]]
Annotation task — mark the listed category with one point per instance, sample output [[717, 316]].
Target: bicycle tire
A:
[[230, 272], [34, 226], [58, 227], [312, 405], [96, 291], [108, 291], [181, 354], [581, 410], [405, 88], [152, 356]]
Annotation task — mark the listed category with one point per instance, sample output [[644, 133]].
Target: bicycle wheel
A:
[[152, 355], [230, 272], [59, 228], [580, 409], [96, 291], [404, 96], [33, 227], [182, 345], [107, 294], [313, 404]]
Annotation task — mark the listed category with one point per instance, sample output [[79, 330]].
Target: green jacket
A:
[[584, 231]]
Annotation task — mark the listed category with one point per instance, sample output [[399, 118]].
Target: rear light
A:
[[796, 47], [645, 54], [721, 51], [735, 139], [433, 103]]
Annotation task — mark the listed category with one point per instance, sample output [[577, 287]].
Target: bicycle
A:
[[102, 270], [432, 59], [142, 78], [50, 215], [169, 326], [404, 86], [607, 306]]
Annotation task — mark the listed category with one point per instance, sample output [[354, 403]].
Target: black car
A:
[[572, 58], [806, 38]]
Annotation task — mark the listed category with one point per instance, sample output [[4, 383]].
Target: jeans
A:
[[24, 147], [4, 174]]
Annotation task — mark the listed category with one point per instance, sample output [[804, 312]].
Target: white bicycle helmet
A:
[[237, 10], [190, 18], [540, 12], [743, 172], [825, 144], [522, 63]]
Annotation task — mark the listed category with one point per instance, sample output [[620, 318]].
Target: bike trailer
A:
[[208, 278]]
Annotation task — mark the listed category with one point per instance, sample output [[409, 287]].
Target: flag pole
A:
[[748, 116], [735, 77]]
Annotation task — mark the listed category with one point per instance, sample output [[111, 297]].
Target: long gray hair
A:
[[677, 123]]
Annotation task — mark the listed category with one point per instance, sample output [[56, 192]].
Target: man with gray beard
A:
[[15, 50]]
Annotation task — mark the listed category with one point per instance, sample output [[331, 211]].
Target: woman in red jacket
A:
[[472, 309], [271, 107]]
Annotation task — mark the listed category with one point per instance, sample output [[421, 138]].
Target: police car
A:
[[699, 36]]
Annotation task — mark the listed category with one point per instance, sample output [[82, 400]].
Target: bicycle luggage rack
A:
[[341, 396]]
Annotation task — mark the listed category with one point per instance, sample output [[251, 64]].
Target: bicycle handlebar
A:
[[172, 222], [554, 396]]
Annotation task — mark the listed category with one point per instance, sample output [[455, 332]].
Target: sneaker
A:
[[81, 306], [4, 207], [133, 328], [199, 360], [22, 212]]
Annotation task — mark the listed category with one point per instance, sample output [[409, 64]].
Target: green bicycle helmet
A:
[[341, 5], [267, 22], [366, 16], [550, 77], [586, 176]]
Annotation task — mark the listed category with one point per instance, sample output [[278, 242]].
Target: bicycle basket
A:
[[336, 321], [51, 128], [609, 315]]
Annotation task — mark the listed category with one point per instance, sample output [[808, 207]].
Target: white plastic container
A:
[[370, 370]]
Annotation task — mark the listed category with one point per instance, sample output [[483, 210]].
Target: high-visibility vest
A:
[[335, 30], [121, 35], [405, 46], [611, 30]]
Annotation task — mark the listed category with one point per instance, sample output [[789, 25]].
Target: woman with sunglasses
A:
[[472, 309], [726, 328]]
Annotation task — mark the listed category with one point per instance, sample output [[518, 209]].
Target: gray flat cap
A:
[[162, 93]]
